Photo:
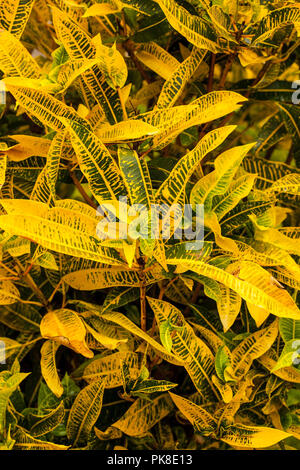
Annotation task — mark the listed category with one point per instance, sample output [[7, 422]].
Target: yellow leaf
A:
[[100, 278], [9, 294], [44, 107], [10, 347], [14, 15], [157, 59], [110, 367], [59, 229], [289, 184], [96, 163], [173, 87], [48, 367], [49, 422], [198, 416], [192, 27], [257, 313], [143, 415], [65, 327], [130, 326], [107, 341], [217, 182], [249, 57], [170, 190], [224, 389], [226, 243], [282, 238], [27, 146], [85, 411], [251, 282], [252, 436], [15, 60], [173, 121], [108, 7], [289, 374], [197, 358], [24, 441], [130, 130], [112, 65], [252, 348], [228, 306], [3, 165]]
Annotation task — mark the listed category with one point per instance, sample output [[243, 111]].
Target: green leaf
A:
[[222, 361], [165, 335]]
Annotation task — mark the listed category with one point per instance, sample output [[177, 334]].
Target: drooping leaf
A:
[[252, 436], [198, 416], [254, 284], [85, 411], [24, 441], [65, 327], [48, 367], [49, 422]]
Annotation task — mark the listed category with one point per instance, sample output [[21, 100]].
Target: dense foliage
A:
[[149, 342]]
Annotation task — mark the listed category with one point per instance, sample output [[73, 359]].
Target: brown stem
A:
[[103, 25], [125, 117], [124, 26], [143, 308], [221, 83], [226, 119], [33, 286], [78, 185], [290, 156], [211, 72], [202, 133], [194, 298], [128, 46], [226, 70], [260, 75], [269, 152], [55, 290]]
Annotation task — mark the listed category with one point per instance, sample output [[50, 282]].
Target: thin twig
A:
[[194, 298], [78, 185], [211, 72], [125, 117], [33, 286], [129, 48], [226, 70], [143, 308]]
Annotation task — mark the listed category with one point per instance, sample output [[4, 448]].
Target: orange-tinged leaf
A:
[[252, 436], [65, 327]]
